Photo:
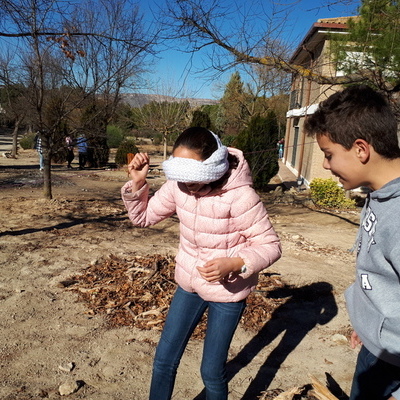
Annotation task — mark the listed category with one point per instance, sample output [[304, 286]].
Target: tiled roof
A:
[[323, 24], [337, 20]]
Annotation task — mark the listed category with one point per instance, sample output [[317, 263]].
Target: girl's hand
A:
[[354, 340], [217, 269], [138, 169]]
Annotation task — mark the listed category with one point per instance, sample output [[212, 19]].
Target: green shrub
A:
[[27, 141], [200, 118], [327, 193], [158, 139], [127, 146], [228, 140], [258, 143], [115, 136]]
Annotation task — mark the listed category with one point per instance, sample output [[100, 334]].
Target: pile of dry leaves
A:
[[137, 292]]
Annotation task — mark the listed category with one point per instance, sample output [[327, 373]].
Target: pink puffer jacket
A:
[[229, 222]]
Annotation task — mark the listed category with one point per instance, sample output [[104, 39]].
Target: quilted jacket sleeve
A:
[[144, 210], [252, 221]]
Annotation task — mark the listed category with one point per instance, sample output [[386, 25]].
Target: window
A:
[[295, 142]]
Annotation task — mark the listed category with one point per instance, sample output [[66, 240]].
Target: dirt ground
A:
[[53, 342]]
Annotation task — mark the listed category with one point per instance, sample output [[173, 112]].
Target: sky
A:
[[176, 71]]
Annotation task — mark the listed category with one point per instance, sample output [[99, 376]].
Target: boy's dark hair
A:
[[357, 112], [200, 140]]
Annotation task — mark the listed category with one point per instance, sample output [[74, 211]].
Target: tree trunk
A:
[[47, 192], [165, 147], [14, 150]]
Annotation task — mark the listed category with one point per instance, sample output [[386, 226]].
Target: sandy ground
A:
[[50, 340]]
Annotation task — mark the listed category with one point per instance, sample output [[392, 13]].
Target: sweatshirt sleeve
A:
[[396, 394], [251, 219], [145, 210]]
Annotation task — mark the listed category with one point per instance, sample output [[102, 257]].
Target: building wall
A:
[[302, 154]]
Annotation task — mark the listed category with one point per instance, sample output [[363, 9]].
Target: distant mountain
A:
[[140, 99]]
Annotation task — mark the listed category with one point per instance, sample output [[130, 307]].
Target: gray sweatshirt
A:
[[373, 301]]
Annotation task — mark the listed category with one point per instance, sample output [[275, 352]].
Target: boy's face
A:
[[343, 163]]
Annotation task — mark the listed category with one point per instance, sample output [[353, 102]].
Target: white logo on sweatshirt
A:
[[369, 225], [365, 282]]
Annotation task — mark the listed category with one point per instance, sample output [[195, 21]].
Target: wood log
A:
[[320, 391], [287, 395]]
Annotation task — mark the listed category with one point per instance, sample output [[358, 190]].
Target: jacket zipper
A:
[[195, 239]]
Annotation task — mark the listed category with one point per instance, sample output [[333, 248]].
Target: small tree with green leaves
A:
[[212, 111], [126, 147], [232, 113], [370, 49], [200, 119], [115, 136]]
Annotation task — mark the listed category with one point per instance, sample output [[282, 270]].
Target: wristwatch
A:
[[243, 270]]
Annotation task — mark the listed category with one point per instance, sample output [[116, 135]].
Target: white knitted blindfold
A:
[[188, 170]]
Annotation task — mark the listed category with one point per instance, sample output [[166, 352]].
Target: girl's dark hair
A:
[[357, 112], [203, 142], [200, 140]]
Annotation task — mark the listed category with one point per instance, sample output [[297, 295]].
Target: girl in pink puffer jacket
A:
[[226, 239]]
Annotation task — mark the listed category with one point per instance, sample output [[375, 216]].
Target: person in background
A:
[[82, 145], [357, 131], [39, 148], [70, 150], [281, 144], [226, 239]]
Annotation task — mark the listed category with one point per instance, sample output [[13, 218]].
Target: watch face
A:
[[243, 269]]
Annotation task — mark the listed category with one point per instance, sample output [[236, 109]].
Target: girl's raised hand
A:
[[138, 169]]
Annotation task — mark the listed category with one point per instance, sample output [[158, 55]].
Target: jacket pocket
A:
[[366, 319], [389, 335]]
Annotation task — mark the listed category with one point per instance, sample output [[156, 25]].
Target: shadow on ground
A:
[[306, 307]]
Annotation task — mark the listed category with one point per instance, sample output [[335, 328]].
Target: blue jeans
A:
[[374, 379], [184, 314]]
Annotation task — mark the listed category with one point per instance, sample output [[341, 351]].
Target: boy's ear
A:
[[363, 150]]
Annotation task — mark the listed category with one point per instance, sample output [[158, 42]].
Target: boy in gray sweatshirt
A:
[[357, 131]]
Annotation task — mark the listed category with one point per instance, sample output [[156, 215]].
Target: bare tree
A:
[[112, 63], [13, 99], [93, 50], [164, 117], [203, 24], [268, 81], [265, 89], [169, 112]]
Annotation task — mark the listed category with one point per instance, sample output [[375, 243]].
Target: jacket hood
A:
[[388, 191], [241, 175]]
